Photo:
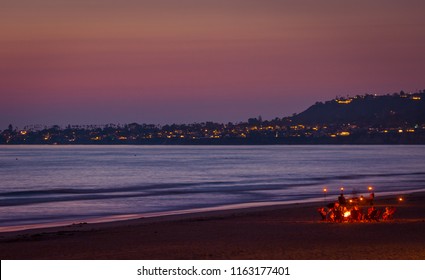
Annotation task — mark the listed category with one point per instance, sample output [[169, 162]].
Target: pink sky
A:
[[165, 61]]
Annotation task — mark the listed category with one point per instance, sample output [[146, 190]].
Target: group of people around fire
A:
[[356, 209]]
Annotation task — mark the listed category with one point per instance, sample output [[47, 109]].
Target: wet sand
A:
[[274, 232]]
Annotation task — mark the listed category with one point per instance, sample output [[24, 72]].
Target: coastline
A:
[[246, 206], [268, 232]]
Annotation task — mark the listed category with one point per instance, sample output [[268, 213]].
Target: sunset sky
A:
[[167, 61]]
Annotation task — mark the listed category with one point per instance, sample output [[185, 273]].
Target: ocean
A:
[[42, 185]]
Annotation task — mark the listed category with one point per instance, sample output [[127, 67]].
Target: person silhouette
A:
[[371, 198], [341, 199]]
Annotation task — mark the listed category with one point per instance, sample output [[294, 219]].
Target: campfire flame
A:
[[347, 214]]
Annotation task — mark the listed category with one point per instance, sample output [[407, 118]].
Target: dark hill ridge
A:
[[367, 119], [368, 110]]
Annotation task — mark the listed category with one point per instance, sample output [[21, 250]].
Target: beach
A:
[[272, 232]]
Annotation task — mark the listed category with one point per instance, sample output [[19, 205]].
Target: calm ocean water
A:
[[44, 184]]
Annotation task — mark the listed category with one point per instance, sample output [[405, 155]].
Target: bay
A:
[[48, 184]]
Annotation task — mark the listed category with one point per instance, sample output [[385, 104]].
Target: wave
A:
[[254, 189]]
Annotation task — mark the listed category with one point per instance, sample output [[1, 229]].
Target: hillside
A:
[[368, 110], [367, 119]]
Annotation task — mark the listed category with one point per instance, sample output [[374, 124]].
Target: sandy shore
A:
[[276, 232]]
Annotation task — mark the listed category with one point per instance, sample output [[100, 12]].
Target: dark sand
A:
[[277, 232]]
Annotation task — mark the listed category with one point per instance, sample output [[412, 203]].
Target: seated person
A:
[[339, 215], [373, 214], [389, 213], [322, 212], [356, 214]]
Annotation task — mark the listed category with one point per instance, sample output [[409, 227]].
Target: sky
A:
[[166, 61]]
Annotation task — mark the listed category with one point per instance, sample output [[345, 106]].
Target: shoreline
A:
[[181, 213], [152, 215], [268, 232], [157, 216]]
